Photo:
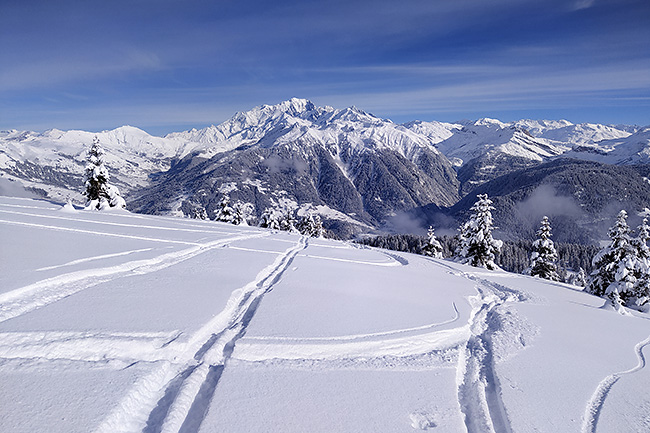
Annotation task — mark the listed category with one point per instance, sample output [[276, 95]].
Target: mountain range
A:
[[359, 172]]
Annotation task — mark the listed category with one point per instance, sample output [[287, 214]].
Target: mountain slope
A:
[[116, 322], [346, 160], [580, 197]]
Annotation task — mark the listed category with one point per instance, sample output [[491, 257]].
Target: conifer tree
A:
[[200, 213], [432, 248], [579, 279], [544, 256], [270, 219], [641, 291], [310, 225], [288, 221], [616, 266], [317, 230], [477, 246], [224, 212], [99, 193], [242, 212]]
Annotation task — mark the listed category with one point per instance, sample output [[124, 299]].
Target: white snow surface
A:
[[117, 322]]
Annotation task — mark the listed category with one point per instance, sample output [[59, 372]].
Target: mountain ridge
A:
[[341, 161]]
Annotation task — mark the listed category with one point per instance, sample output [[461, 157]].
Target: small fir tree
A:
[[432, 248], [310, 225], [317, 230], [224, 212], [544, 256], [200, 213], [477, 246], [270, 219], [616, 266], [578, 279], [99, 193], [641, 291], [242, 212], [288, 221]]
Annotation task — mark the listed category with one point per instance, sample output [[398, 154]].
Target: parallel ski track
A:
[[108, 223], [44, 292], [597, 401], [176, 396], [479, 388]]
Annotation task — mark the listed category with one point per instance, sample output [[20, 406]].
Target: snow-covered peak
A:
[[490, 123], [629, 149], [538, 127], [434, 131], [489, 136], [300, 122]]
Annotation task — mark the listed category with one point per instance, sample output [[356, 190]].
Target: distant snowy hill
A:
[[356, 170], [117, 322], [53, 161]]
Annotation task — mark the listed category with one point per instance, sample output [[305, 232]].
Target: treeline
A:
[[514, 255]]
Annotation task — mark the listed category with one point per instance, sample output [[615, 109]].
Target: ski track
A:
[[597, 401], [44, 292], [90, 259], [176, 396], [92, 232], [363, 336], [479, 388], [391, 263], [90, 347], [107, 223], [399, 347]]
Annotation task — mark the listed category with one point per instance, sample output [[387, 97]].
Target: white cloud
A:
[[583, 4]]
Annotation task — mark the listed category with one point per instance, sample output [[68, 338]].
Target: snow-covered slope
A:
[[115, 322], [629, 149], [563, 131], [488, 136]]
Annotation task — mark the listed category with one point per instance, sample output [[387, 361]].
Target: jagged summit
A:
[[301, 122]]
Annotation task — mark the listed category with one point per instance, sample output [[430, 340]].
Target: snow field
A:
[[113, 322]]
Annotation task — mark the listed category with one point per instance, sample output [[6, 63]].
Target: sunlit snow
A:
[[118, 322]]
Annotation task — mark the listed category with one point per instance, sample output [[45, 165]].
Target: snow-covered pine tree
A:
[[242, 211], [432, 248], [310, 225], [477, 246], [270, 219], [317, 230], [578, 279], [616, 266], [200, 213], [288, 221], [99, 193], [544, 256], [224, 212], [641, 296]]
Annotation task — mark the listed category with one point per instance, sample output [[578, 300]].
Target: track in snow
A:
[[479, 388], [176, 396], [36, 295], [595, 404]]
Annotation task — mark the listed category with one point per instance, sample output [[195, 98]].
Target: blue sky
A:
[[169, 65]]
